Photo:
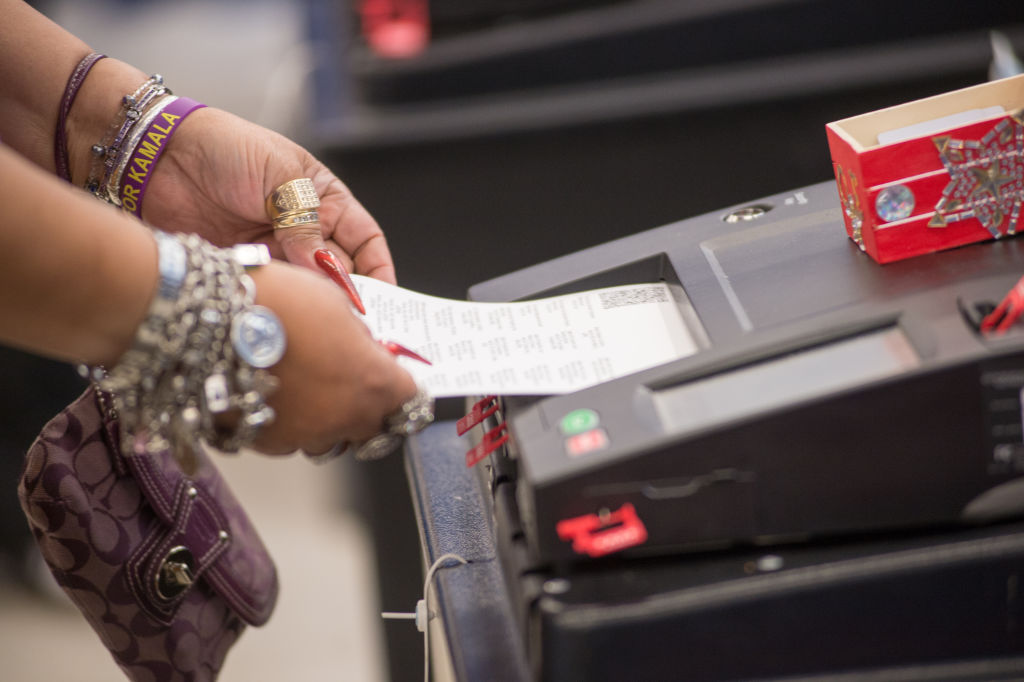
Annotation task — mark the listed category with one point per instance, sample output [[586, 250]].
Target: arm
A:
[[36, 58], [64, 291], [79, 276], [215, 173]]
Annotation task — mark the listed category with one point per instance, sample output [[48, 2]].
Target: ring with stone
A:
[[293, 203]]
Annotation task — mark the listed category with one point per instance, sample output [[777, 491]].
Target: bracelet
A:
[[146, 145], [60, 139], [203, 349], [113, 183], [411, 417], [116, 150], [107, 152]]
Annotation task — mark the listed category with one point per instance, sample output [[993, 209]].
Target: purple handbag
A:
[[166, 567]]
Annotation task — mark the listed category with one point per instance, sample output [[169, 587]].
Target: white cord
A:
[[422, 615]]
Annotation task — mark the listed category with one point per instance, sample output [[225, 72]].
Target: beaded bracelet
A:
[[187, 364]]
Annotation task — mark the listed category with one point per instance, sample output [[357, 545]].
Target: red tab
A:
[[596, 535], [481, 411], [1007, 312], [490, 442]]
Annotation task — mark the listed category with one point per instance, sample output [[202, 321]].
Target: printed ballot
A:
[[539, 347]]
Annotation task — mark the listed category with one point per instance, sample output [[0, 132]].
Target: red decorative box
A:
[[933, 174]]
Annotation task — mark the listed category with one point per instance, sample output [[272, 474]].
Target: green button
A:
[[579, 421]]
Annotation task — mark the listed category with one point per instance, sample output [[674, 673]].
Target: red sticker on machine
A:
[[599, 534]]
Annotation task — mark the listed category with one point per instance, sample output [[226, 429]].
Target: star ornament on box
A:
[[986, 178]]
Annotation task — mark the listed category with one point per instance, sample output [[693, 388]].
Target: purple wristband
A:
[[148, 150], [60, 140]]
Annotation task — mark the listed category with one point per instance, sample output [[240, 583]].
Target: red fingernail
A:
[[330, 264], [396, 348]]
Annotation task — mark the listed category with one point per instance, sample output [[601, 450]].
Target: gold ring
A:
[[293, 203], [297, 218]]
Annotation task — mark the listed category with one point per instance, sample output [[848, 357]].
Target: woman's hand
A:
[[216, 173], [336, 383]]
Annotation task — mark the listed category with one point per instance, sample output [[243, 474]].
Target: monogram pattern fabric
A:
[[105, 524]]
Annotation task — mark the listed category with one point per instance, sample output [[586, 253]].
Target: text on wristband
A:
[[148, 150]]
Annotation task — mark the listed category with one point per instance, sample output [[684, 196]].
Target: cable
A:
[[422, 615]]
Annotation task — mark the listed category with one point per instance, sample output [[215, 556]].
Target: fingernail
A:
[[396, 348], [330, 264]]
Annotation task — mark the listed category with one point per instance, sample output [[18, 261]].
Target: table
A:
[[480, 640]]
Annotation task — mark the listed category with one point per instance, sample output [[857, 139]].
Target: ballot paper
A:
[[540, 347]]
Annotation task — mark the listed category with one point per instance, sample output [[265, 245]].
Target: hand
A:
[[336, 383], [216, 173]]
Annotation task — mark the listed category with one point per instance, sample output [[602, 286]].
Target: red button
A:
[[588, 441]]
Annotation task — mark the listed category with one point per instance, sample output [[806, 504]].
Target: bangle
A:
[[60, 140], [112, 186], [115, 152], [107, 152], [203, 349], [146, 145]]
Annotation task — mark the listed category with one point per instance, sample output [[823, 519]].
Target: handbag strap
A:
[[110, 429]]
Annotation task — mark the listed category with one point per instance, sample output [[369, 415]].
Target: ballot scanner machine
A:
[[841, 464], [830, 395]]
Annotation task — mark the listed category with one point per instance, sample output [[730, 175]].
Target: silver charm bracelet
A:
[[203, 350]]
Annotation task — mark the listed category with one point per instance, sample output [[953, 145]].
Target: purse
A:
[[156, 552]]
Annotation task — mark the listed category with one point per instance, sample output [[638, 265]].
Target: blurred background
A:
[[485, 136]]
